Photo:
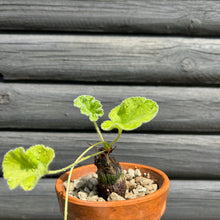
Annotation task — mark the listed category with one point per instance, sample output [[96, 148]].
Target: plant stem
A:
[[99, 132], [119, 134], [76, 161], [67, 194]]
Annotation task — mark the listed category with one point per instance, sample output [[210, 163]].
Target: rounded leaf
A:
[[131, 113], [89, 106], [26, 168]]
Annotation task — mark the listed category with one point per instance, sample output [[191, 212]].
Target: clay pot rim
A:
[[164, 188]]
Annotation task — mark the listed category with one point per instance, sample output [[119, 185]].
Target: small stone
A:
[[151, 191], [65, 184], [140, 194], [151, 188], [100, 199], [138, 179], [90, 186], [147, 191], [130, 195], [131, 184], [94, 175], [82, 195], [86, 177], [137, 172], [143, 181], [128, 177], [73, 194], [131, 172], [141, 188], [92, 198], [92, 182], [78, 183], [132, 181], [86, 189], [147, 182], [115, 197], [139, 191], [71, 187], [154, 187], [92, 193]]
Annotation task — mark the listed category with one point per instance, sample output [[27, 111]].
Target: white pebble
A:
[[100, 199], [94, 175], [131, 172], [71, 186], [73, 194], [115, 197], [82, 195], [154, 186], [128, 177], [137, 172], [130, 195], [92, 193], [78, 183], [92, 198]]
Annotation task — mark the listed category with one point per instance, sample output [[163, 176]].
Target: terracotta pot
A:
[[149, 207]]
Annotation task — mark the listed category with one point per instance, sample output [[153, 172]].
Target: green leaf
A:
[[26, 168], [131, 113], [89, 106]]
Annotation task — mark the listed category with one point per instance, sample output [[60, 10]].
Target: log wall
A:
[[169, 51]]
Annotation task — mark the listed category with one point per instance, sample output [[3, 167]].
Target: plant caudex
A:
[[25, 168]]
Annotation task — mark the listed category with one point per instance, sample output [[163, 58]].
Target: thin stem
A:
[[78, 160], [99, 132], [67, 194], [75, 162], [117, 138], [91, 155]]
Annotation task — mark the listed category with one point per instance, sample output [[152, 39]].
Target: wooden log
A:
[[41, 203], [110, 59], [49, 106], [180, 156], [193, 200], [113, 16]]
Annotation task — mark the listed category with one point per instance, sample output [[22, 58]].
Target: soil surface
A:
[[85, 188]]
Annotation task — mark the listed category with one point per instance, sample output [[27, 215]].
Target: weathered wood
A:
[[41, 203], [49, 106], [139, 16], [109, 59], [180, 156], [192, 200]]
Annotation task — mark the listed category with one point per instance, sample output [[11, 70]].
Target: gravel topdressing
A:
[[85, 188]]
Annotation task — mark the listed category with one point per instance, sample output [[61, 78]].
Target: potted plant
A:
[[25, 168]]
